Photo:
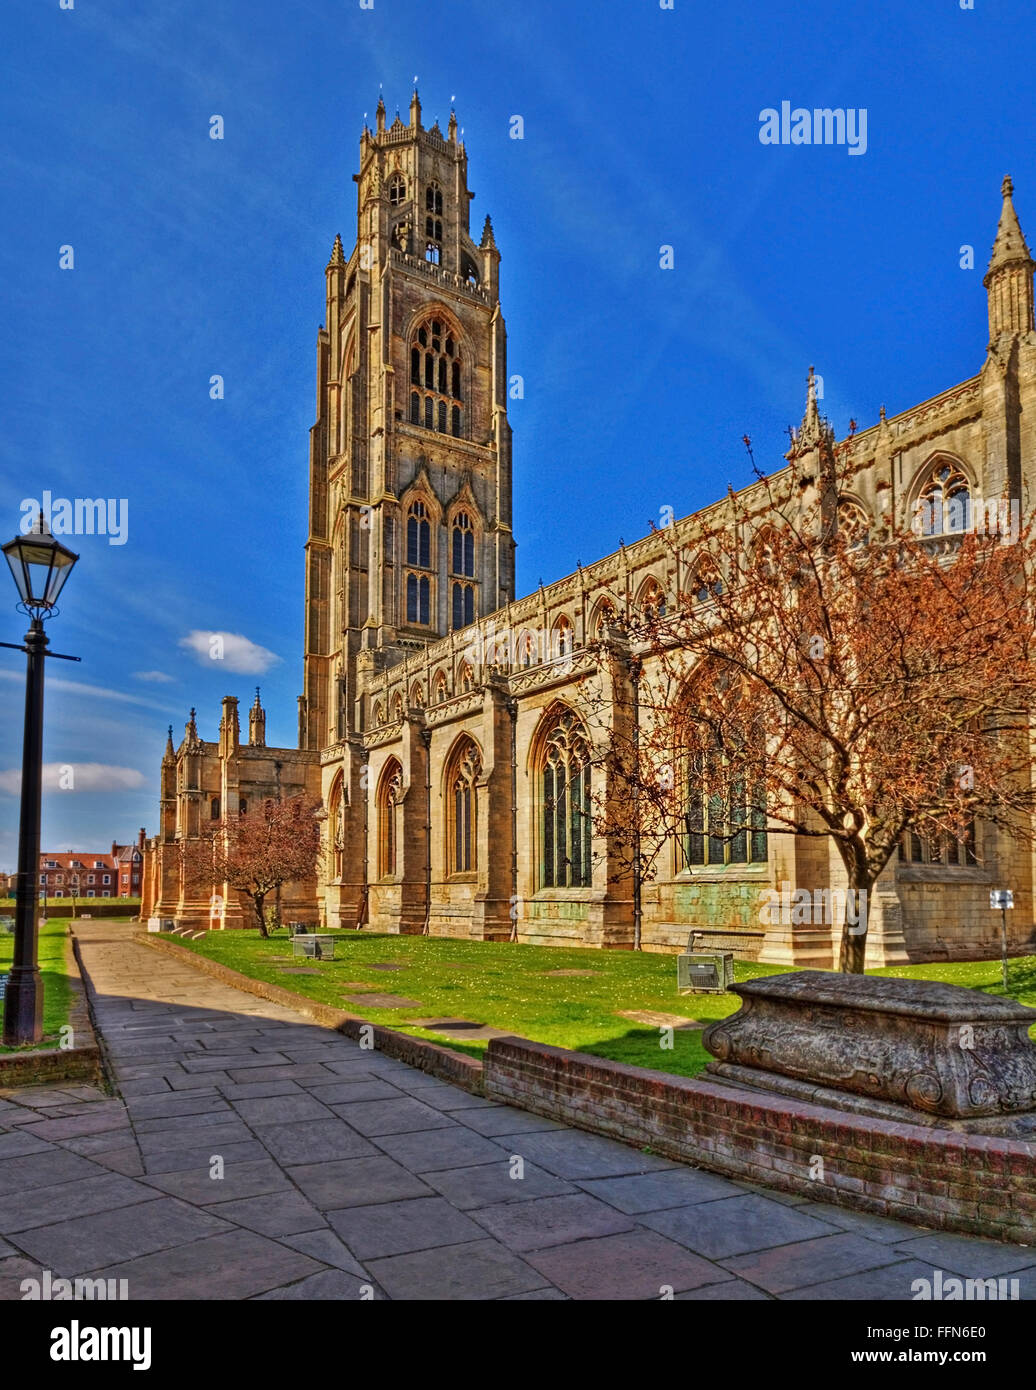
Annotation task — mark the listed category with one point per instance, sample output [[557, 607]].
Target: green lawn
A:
[[508, 987], [57, 992]]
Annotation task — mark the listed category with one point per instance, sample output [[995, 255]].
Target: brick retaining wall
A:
[[936, 1178]]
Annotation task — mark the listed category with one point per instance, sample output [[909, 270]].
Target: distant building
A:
[[84, 874]]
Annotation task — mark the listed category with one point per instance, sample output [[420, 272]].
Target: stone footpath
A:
[[348, 1174]]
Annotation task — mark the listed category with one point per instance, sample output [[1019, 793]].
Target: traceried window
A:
[[853, 523], [397, 190], [214, 808], [463, 545], [651, 601], [944, 502], [565, 812], [419, 556], [433, 199], [388, 812], [463, 605], [945, 850], [724, 822], [436, 379], [441, 688], [462, 776]]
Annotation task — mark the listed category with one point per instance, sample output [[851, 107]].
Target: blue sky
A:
[[195, 257]]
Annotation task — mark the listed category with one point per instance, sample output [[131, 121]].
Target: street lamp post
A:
[[40, 566]]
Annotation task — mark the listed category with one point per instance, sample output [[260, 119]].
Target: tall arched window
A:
[[433, 224], [463, 545], [397, 190], [722, 823], [463, 605], [335, 829], [944, 502], [441, 688], [436, 379], [604, 615], [214, 808], [463, 772], [388, 810], [397, 708], [467, 678], [418, 536], [419, 556], [562, 638], [242, 806], [526, 650], [566, 823]]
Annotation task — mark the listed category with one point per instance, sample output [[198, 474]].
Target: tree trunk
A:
[[853, 950], [258, 901]]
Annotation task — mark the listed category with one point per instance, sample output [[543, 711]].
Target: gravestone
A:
[[913, 1050]]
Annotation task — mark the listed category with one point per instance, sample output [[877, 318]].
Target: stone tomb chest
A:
[[911, 1050]]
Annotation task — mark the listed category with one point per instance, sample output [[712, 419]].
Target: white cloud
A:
[[159, 677], [229, 650], [78, 777], [79, 688]]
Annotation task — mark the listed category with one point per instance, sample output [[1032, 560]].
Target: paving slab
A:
[[572, 1154], [809, 1262], [272, 1214], [91, 1242], [636, 1265], [477, 1271], [236, 1265], [394, 1228], [331, 1284], [679, 1187], [429, 1150], [376, 1117], [736, 1225], [65, 1200], [319, 1141], [541, 1222], [490, 1184], [356, 1182]]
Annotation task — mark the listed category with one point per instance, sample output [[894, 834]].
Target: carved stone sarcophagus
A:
[[938, 1049]]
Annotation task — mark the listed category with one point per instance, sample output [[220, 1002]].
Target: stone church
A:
[[442, 721]]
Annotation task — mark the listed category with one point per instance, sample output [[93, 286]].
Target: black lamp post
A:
[[40, 566]]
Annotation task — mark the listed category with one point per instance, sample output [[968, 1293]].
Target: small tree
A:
[[832, 677], [74, 888], [277, 843]]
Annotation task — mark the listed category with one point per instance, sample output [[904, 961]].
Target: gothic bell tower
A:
[[410, 457]]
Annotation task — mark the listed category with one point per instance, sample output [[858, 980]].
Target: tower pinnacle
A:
[[1008, 280]]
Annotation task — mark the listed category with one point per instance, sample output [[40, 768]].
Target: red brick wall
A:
[[937, 1178]]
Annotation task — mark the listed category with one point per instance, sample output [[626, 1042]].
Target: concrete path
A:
[[253, 1154]]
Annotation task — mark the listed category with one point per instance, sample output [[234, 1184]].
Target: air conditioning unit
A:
[[704, 972]]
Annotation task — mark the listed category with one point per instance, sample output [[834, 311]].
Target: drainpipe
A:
[[635, 673], [363, 916], [512, 710], [426, 739]]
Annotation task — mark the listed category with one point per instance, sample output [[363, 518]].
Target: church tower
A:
[[410, 457]]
